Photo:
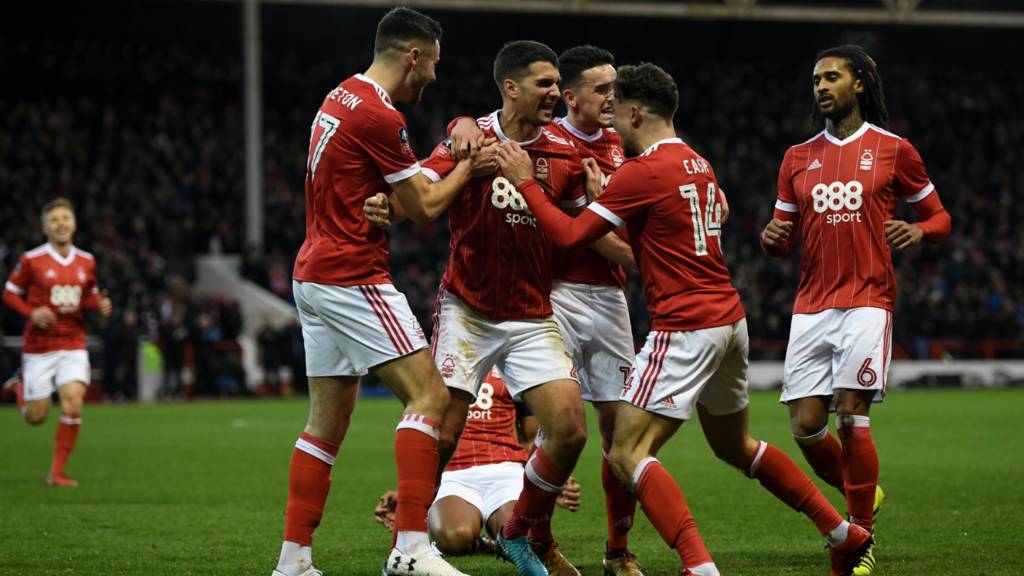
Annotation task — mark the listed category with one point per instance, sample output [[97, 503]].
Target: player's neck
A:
[[388, 77], [650, 134], [590, 128], [517, 128], [62, 248], [846, 125]]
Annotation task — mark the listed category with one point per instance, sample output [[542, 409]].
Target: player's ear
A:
[[636, 116], [858, 86], [412, 57], [511, 88], [569, 97]]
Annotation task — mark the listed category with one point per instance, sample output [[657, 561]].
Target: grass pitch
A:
[[200, 489]]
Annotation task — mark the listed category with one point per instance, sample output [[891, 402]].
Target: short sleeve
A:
[[786, 200], [911, 180], [386, 140], [21, 277], [627, 194], [440, 162]]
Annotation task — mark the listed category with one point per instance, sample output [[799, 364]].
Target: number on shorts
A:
[[866, 377]]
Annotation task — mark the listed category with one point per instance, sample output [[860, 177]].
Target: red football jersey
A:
[[490, 435], [581, 264], [500, 262], [64, 284], [668, 199], [358, 146], [842, 192]]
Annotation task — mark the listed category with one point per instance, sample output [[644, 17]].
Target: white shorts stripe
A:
[[314, 451]]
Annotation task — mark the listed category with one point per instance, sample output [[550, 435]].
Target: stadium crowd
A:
[[144, 134]]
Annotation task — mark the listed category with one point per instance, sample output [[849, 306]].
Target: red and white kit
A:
[[487, 467], [601, 343], [668, 199], [358, 145], [841, 192], [495, 294], [67, 285]]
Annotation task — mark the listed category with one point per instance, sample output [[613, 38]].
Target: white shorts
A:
[[487, 487], [466, 345], [346, 330], [42, 374], [675, 370], [838, 348], [595, 325]]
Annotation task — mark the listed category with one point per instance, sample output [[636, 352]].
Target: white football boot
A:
[[427, 561]]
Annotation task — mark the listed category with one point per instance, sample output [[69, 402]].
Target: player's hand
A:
[[515, 163], [776, 233], [724, 202], [569, 498], [43, 318], [902, 234], [485, 160], [384, 513], [466, 138], [377, 209], [594, 177], [104, 305]]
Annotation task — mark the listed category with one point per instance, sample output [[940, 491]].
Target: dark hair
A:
[[401, 25], [871, 100], [650, 85], [514, 59], [574, 61]]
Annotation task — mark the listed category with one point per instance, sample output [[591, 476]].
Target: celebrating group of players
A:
[[531, 316], [544, 213]]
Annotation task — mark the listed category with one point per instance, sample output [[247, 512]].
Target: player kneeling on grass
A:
[[666, 195], [482, 481], [51, 286]]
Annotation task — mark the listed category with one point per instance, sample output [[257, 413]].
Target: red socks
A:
[[542, 483], [825, 456], [309, 481], [67, 435], [665, 506], [619, 506], [417, 460], [783, 478], [860, 468]]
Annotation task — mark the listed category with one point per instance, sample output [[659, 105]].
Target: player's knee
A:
[[433, 403], [36, 416], [803, 425], [455, 540], [623, 462], [737, 453]]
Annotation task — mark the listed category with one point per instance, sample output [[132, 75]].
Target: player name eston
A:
[[345, 98]]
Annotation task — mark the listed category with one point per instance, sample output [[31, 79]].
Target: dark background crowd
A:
[[134, 111]]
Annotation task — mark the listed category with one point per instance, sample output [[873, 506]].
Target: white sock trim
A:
[[314, 451], [838, 534], [411, 542], [705, 569], [537, 481], [853, 421], [638, 472], [70, 421], [757, 458], [813, 439], [417, 422]]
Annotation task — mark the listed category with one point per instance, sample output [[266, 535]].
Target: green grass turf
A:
[[200, 489]]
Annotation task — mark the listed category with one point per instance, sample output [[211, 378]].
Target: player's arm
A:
[[14, 297], [564, 230], [615, 250], [423, 201], [779, 235], [913, 183]]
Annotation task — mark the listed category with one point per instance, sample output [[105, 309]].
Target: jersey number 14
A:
[[707, 222]]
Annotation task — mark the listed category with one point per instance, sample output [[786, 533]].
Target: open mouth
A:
[[825, 100]]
